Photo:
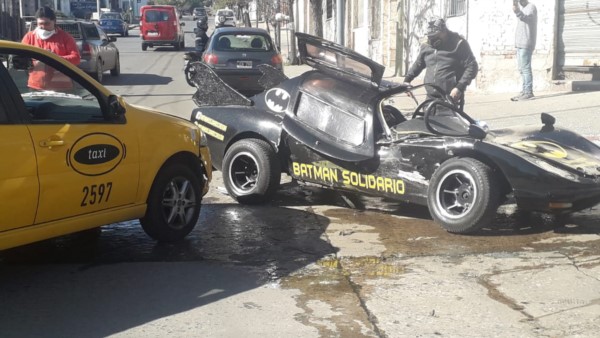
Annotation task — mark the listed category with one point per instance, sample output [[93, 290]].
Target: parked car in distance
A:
[[234, 53], [114, 24], [343, 127], [76, 156], [198, 13], [98, 51], [160, 26], [111, 15], [224, 18]]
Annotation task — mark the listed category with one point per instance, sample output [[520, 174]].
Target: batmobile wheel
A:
[[251, 171], [173, 204], [463, 195]]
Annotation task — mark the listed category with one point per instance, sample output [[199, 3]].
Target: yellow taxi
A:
[[75, 156]]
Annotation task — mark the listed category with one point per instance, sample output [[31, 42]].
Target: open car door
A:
[[332, 113], [338, 61]]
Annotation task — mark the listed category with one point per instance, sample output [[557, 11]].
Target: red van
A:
[[160, 26]]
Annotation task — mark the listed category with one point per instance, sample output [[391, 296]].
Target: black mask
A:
[[435, 41]]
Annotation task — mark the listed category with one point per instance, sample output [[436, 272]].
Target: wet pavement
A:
[[309, 265]]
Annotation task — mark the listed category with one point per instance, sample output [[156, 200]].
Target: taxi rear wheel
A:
[[173, 204], [251, 171]]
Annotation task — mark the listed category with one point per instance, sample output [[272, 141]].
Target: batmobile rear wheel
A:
[[251, 171], [173, 204], [463, 195]]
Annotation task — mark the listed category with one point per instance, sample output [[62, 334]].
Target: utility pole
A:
[[340, 22], [256, 11], [277, 24]]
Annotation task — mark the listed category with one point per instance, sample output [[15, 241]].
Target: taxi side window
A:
[[3, 112], [51, 96]]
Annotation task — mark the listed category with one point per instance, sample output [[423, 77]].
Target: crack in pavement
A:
[[347, 276], [356, 289], [498, 296]]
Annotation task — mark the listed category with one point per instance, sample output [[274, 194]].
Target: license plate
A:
[[244, 64], [152, 33]]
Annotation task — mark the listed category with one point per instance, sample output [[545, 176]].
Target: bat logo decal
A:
[[277, 100]]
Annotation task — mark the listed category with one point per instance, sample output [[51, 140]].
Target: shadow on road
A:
[[508, 221], [87, 285]]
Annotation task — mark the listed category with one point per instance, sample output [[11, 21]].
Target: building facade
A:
[[390, 31]]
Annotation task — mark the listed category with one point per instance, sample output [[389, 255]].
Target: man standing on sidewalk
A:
[[525, 43]]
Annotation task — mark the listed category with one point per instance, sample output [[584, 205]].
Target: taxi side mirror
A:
[[115, 110]]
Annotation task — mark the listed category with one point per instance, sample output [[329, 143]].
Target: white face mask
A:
[[44, 34]]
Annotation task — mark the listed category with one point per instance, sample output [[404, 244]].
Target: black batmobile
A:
[[341, 126]]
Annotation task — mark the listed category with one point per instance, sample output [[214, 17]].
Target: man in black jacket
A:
[[448, 60]]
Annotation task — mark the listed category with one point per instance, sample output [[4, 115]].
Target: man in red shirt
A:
[[51, 38]]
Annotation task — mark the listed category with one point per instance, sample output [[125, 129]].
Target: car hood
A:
[[559, 146]]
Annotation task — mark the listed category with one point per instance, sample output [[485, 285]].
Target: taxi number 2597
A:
[[96, 194]]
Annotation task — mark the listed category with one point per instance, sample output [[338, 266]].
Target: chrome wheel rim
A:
[[244, 173], [456, 194], [178, 203]]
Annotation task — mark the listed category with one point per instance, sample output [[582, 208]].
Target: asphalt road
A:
[[305, 265]]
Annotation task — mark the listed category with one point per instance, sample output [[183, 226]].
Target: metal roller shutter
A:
[[578, 45]]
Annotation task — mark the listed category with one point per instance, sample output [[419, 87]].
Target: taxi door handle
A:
[[52, 143]]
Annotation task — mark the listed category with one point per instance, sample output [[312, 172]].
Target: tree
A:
[[293, 57], [317, 14]]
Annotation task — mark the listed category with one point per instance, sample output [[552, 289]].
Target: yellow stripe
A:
[[210, 132], [212, 122]]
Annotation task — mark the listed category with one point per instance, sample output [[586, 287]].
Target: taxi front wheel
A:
[[173, 204]]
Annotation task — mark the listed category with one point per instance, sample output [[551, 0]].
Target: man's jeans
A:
[[524, 62]]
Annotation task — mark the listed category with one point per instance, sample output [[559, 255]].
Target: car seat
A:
[[256, 43], [224, 43]]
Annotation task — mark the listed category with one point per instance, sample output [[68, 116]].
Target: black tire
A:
[[188, 74], [99, 73], [177, 45], [173, 204], [251, 171], [182, 44], [464, 195], [117, 70], [144, 46]]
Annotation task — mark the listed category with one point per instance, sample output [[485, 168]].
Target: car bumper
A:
[[559, 195], [240, 79], [159, 42], [114, 31]]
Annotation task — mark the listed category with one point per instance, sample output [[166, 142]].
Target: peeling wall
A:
[[491, 36], [489, 27]]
